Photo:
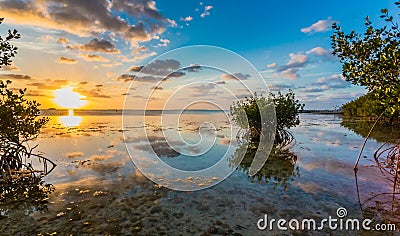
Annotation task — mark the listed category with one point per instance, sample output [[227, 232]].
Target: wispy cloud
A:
[[163, 43], [290, 70], [319, 26], [92, 57], [15, 77], [320, 51], [279, 87], [186, 19], [206, 11], [96, 45], [51, 84], [11, 67], [161, 67], [335, 81], [235, 76], [66, 60], [62, 40]]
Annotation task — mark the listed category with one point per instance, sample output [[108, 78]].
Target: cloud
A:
[[62, 40], [66, 60], [15, 77], [74, 154], [43, 86], [186, 19], [109, 65], [336, 81], [319, 26], [46, 38], [90, 17], [92, 57], [143, 56], [135, 68], [157, 88], [272, 65], [140, 49], [201, 89], [320, 51], [34, 94], [279, 87], [290, 73], [193, 68], [139, 53], [96, 45], [176, 74], [164, 43], [93, 93], [51, 85], [146, 78], [235, 76], [154, 71], [161, 67], [206, 11], [295, 63], [126, 78], [11, 67], [312, 90]]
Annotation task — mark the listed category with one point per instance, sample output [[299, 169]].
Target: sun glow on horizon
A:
[[66, 97]]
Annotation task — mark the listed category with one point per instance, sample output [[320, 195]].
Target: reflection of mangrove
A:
[[284, 139], [280, 167], [381, 133], [384, 205], [15, 157], [387, 158], [21, 185]]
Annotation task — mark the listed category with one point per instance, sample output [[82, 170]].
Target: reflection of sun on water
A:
[[70, 120], [66, 97]]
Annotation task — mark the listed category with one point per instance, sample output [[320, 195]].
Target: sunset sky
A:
[[95, 47]]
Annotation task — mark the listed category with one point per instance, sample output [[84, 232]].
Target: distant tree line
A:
[[368, 106]]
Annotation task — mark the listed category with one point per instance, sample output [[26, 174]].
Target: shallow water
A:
[[100, 191]]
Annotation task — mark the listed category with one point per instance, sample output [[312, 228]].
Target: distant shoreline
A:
[[323, 112], [53, 111]]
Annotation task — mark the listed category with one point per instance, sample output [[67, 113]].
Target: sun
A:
[[66, 97]]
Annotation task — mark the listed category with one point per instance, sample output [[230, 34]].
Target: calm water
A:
[[99, 190]]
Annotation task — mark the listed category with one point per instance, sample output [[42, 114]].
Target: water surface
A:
[[99, 190]]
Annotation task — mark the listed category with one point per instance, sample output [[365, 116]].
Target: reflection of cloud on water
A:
[[74, 154], [368, 176], [309, 187], [335, 143]]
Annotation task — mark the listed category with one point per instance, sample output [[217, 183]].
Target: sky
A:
[[91, 53]]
